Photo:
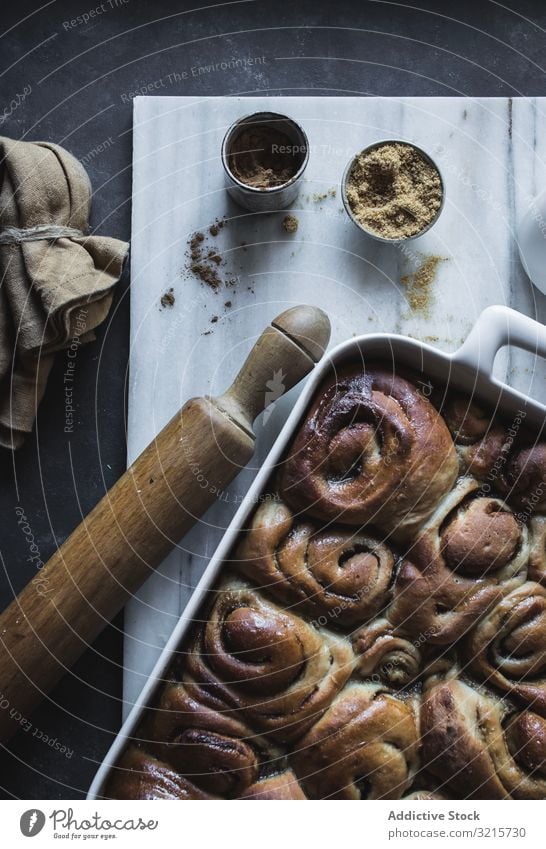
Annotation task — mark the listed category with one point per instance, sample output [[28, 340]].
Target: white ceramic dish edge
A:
[[469, 369]]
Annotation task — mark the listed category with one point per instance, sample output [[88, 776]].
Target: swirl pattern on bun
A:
[[385, 656], [364, 747], [213, 748], [480, 746], [469, 555], [336, 573], [373, 450], [481, 443], [507, 649], [284, 786], [138, 775], [265, 664], [537, 555]]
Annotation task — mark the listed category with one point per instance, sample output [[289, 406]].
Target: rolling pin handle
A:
[[285, 352]]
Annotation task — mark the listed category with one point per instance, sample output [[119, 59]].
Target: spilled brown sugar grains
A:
[[290, 224], [419, 283], [318, 197]]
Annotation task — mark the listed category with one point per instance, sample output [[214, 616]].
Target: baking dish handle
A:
[[496, 327]]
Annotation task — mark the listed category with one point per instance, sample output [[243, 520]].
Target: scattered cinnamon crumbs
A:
[[168, 299], [203, 259], [215, 228]]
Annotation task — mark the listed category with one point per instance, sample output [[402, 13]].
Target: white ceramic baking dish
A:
[[468, 369]]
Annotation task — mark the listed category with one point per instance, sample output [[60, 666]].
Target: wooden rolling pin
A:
[[131, 530]]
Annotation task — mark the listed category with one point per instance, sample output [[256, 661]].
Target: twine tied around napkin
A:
[[56, 283]]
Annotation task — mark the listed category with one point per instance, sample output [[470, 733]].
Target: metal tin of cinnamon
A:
[[264, 157]]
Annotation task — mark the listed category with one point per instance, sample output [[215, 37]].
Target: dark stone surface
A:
[[82, 76]]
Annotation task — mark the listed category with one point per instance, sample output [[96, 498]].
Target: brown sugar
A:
[[290, 224], [318, 197], [393, 191], [419, 283]]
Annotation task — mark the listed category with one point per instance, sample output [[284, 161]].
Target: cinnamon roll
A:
[[470, 554], [386, 657], [425, 796], [537, 555], [364, 747], [215, 749], [265, 664], [505, 458], [507, 649], [480, 746], [523, 482], [138, 775], [284, 786], [339, 576], [373, 450], [481, 443]]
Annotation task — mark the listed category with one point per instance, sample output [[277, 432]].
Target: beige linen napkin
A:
[[56, 283]]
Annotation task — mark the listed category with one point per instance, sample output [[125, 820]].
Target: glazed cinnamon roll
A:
[[425, 796], [364, 747], [507, 649], [285, 785], [482, 444], [138, 775], [505, 458], [524, 479], [537, 555], [481, 746], [470, 554], [215, 749], [264, 664], [339, 576], [384, 656], [373, 450]]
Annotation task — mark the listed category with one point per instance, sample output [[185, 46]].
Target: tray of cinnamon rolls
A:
[[373, 625]]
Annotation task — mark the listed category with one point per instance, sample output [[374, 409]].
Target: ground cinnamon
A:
[[263, 157]]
